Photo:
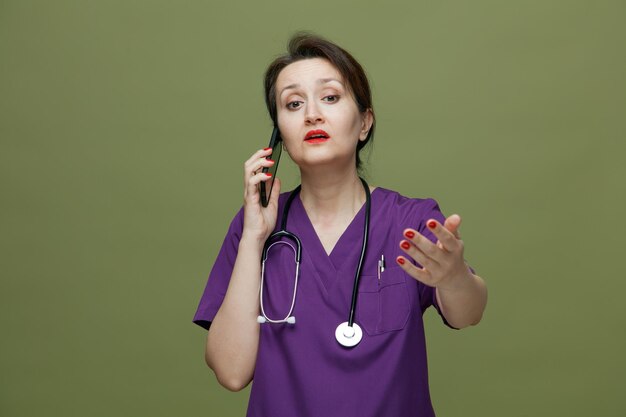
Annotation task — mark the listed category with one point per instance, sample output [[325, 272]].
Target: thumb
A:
[[453, 223], [275, 192]]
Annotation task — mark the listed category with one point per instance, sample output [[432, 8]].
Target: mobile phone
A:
[[265, 187]]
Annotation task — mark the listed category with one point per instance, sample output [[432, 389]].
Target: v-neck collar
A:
[[344, 255]]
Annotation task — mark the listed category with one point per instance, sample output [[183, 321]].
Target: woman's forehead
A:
[[312, 70]]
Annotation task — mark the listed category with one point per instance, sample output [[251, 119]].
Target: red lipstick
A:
[[316, 136]]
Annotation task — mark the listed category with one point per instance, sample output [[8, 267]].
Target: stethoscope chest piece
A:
[[348, 336]]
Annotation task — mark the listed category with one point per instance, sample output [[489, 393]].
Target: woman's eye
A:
[[292, 105], [331, 99]]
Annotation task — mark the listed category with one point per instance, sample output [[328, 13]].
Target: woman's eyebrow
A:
[[290, 86], [327, 80], [320, 81]]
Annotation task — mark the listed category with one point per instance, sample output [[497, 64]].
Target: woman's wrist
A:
[[459, 283], [252, 239]]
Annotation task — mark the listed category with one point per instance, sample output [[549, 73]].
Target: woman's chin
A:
[[325, 162]]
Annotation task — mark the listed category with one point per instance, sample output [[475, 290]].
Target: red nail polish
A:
[[405, 245], [267, 149], [409, 234], [432, 224], [268, 174], [400, 260], [270, 160]]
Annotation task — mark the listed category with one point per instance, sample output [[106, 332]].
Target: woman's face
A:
[[318, 118]]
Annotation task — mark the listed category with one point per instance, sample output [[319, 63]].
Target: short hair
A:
[[306, 46]]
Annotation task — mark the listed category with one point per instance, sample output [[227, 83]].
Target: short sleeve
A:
[[430, 210], [218, 280]]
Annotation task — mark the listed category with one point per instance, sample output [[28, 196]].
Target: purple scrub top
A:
[[301, 370]]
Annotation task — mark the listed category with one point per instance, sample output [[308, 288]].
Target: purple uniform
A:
[[301, 369]]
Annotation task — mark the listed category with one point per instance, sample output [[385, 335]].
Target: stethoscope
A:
[[348, 333]]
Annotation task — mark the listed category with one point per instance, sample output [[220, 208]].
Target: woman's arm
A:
[[462, 296], [464, 304], [233, 338]]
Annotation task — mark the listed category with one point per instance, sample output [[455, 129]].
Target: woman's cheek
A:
[[288, 127]]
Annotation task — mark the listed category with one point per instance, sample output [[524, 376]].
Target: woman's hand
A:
[[442, 263], [259, 221], [461, 295]]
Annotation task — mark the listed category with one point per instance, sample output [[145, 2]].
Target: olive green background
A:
[[124, 126]]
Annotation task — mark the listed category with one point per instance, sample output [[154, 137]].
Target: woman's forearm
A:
[[463, 305], [233, 338]]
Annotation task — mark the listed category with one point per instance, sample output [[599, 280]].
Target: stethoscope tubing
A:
[[357, 277], [295, 288], [346, 327], [298, 257]]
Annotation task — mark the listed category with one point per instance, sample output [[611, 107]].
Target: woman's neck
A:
[[329, 196]]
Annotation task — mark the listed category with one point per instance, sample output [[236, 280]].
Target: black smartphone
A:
[[265, 187]]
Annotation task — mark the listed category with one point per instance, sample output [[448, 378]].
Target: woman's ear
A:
[[367, 119]]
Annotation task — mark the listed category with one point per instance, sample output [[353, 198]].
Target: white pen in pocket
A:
[[381, 266]]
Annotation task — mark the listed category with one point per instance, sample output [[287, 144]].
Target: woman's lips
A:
[[316, 140], [316, 136]]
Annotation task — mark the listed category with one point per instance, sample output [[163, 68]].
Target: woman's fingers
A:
[[424, 251], [424, 259], [253, 182], [420, 274], [253, 167], [261, 153], [453, 223], [256, 166], [439, 260], [422, 243], [446, 237], [259, 221], [259, 159]]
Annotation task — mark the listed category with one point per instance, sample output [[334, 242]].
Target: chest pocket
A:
[[383, 306]]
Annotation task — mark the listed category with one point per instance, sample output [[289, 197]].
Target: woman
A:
[[319, 97]]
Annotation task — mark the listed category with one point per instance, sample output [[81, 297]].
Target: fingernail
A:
[[405, 245], [400, 260], [267, 149], [432, 224], [268, 174], [409, 234], [268, 158]]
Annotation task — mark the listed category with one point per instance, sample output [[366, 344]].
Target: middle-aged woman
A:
[[319, 97]]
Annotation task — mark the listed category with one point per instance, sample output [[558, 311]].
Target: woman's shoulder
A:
[[396, 199], [399, 208], [396, 208]]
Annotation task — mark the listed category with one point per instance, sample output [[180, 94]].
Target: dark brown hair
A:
[[306, 46]]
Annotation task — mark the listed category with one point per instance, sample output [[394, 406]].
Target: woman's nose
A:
[[312, 114]]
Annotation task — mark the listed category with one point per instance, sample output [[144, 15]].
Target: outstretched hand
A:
[[443, 265]]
